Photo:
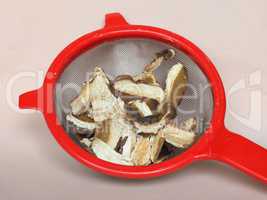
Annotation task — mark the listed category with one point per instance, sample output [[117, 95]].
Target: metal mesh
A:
[[129, 56]]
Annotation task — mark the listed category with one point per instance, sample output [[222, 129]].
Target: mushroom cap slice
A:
[[175, 84], [105, 152], [139, 89], [177, 137], [79, 123]]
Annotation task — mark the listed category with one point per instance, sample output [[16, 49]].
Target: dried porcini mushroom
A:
[[128, 86], [163, 55], [81, 103], [104, 104], [177, 137], [105, 152], [140, 138], [142, 152], [141, 107], [81, 122], [175, 85]]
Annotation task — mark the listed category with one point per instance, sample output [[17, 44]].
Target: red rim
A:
[[117, 28]]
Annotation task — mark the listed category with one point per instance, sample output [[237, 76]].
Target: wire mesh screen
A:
[[129, 56]]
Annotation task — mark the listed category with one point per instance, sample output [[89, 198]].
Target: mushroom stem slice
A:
[[142, 108], [177, 137], [105, 152], [140, 89], [163, 55]]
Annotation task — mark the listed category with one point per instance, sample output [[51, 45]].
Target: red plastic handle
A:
[[32, 100], [241, 153]]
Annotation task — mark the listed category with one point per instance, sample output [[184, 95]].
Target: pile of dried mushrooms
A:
[[131, 120]]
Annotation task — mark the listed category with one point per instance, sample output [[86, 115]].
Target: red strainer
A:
[[120, 44]]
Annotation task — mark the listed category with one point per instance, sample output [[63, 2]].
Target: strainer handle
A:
[[241, 153], [31, 100]]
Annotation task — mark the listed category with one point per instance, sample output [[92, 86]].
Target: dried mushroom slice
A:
[[128, 86], [177, 137], [175, 84], [142, 151], [82, 102], [104, 104], [105, 152], [163, 55], [141, 106], [81, 123], [153, 128], [189, 125], [146, 78], [114, 130], [156, 142]]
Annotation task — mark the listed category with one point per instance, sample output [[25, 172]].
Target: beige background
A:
[[33, 166]]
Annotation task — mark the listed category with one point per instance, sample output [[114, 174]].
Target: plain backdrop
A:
[[33, 165]]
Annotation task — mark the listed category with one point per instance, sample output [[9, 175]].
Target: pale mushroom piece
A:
[[175, 84], [80, 123], [156, 142], [163, 55], [177, 137], [142, 151], [116, 128], [142, 108], [105, 152], [104, 104], [189, 125], [82, 102], [146, 77], [151, 128], [139, 89]]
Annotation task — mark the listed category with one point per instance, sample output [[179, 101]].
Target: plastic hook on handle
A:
[[115, 19], [241, 153]]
